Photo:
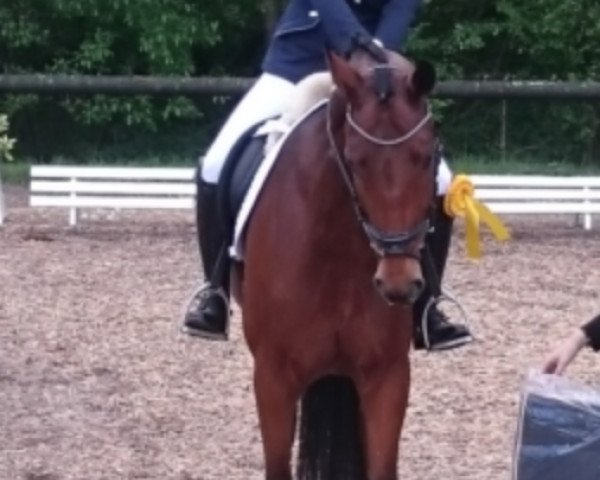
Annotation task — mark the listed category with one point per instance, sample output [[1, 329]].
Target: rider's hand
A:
[[372, 46], [565, 352]]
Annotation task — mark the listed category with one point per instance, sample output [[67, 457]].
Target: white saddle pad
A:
[[237, 248]]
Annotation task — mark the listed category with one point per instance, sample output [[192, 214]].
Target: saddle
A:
[[249, 151], [237, 180], [238, 171]]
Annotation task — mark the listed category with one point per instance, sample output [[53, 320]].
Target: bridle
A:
[[384, 244], [384, 142]]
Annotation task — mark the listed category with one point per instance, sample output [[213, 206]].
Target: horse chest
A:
[[352, 344]]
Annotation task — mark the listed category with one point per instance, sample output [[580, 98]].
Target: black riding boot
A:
[[208, 312], [436, 332]]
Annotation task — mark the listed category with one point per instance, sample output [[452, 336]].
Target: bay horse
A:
[[332, 266]]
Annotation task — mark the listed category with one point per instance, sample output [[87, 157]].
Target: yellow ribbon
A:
[[460, 202]]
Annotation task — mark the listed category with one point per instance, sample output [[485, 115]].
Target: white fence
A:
[[111, 187], [173, 188], [534, 194]]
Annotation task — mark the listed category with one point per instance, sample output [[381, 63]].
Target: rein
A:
[[384, 244]]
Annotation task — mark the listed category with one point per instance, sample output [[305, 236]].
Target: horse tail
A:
[[330, 439]]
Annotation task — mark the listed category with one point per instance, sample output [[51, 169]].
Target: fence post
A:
[[587, 218], [2, 204], [73, 209], [503, 131]]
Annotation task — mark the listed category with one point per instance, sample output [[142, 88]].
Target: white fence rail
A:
[[173, 188], [111, 187], [534, 194]]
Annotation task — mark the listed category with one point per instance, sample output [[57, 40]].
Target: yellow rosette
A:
[[460, 202]]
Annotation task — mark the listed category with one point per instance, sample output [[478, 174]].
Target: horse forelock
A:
[[384, 102], [388, 100], [382, 81], [386, 80]]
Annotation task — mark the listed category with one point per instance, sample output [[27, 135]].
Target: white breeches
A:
[[268, 97]]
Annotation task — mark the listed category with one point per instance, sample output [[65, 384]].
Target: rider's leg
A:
[[440, 334], [208, 310]]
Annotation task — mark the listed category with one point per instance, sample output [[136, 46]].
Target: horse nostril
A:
[[397, 295], [418, 286], [414, 290]]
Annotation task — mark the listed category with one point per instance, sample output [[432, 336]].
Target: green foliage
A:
[[104, 36], [6, 143], [520, 165], [512, 39], [488, 39], [14, 173], [112, 37]]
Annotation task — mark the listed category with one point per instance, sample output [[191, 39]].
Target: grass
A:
[[520, 166], [18, 172]]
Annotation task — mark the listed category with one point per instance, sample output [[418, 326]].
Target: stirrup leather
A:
[[434, 301]]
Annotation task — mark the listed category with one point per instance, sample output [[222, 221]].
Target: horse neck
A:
[[325, 199]]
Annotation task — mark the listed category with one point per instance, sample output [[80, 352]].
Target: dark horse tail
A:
[[330, 433]]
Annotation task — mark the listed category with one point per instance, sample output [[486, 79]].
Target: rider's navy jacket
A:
[[306, 27]]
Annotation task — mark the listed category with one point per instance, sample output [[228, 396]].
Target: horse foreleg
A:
[[276, 405], [384, 397]]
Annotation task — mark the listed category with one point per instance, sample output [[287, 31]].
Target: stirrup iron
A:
[[434, 301], [196, 299]]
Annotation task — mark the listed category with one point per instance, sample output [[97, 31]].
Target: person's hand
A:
[[371, 46], [565, 352]]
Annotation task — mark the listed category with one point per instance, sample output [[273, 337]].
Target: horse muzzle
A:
[[399, 281]]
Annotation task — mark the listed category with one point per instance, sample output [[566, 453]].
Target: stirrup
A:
[[434, 302], [197, 298]]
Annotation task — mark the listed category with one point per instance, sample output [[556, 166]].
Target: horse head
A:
[[381, 129]]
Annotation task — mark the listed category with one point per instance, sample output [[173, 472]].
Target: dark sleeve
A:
[[339, 23], [592, 331], [395, 22]]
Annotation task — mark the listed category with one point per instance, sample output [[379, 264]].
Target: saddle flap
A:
[[238, 171]]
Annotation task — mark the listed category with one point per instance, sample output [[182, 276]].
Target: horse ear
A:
[[344, 76], [423, 78]]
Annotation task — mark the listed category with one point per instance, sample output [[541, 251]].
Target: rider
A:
[[296, 50]]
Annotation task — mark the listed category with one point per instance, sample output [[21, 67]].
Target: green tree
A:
[[116, 37], [489, 39], [6, 143], [511, 39]]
